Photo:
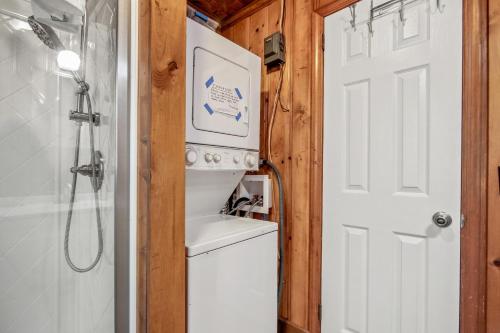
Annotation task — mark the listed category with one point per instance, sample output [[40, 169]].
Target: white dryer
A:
[[223, 91]]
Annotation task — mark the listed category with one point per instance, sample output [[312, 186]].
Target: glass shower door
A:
[[57, 166]]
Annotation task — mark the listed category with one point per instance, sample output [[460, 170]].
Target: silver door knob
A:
[[442, 219]]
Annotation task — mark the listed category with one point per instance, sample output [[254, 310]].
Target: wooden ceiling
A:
[[220, 10]]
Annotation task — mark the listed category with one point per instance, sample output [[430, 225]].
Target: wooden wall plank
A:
[[474, 166], [252, 8], [258, 30], [161, 297], [301, 161], [241, 33], [143, 177], [316, 176], [493, 256], [228, 33]]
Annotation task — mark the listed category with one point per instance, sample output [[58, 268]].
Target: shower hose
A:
[[83, 95]]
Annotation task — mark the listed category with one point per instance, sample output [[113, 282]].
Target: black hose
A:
[[281, 225], [237, 204]]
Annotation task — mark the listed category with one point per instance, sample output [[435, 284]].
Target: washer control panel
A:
[[199, 157]]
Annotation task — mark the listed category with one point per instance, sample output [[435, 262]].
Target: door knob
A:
[[442, 219]]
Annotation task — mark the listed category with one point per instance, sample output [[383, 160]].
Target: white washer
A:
[[231, 265]]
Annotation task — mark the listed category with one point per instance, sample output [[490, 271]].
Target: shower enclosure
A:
[[64, 166]]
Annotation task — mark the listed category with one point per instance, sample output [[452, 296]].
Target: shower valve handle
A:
[[87, 170]]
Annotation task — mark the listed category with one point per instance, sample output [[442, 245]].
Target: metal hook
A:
[[370, 20], [353, 15], [440, 6], [402, 12]]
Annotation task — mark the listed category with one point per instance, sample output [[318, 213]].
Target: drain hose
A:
[[281, 224]]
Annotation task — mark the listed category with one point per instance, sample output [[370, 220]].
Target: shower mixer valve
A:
[[86, 169]]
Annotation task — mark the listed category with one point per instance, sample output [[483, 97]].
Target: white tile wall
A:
[[38, 292]]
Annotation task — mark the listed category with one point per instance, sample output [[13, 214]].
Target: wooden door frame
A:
[[474, 163], [161, 269]]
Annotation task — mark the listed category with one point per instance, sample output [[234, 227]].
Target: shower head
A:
[[46, 34], [49, 37]]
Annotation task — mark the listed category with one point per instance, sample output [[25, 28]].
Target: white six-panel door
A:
[[392, 133]]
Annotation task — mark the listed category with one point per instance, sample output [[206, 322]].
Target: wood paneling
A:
[[316, 176], [301, 161], [474, 166], [493, 267], [245, 12], [161, 261], [220, 9], [144, 153]]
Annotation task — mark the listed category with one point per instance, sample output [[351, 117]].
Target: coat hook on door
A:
[[370, 20], [402, 12], [352, 8], [440, 6]]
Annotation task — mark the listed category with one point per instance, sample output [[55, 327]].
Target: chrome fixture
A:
[[88, 169], [352, 9], [83, 117], [94, 170], [387, 7], [442, 219], [440, 6], [46, 34]]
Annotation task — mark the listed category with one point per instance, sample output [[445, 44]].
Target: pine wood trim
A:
[[285, 326], [161, 74], [493, 292], [332, 6], [474, 166], [143, 146], [316, 175]]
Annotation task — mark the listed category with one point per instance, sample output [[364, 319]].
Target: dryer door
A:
[[220, 95]]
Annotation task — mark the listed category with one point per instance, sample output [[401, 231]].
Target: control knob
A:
[[191, 156], [209, 157], [250, 160]]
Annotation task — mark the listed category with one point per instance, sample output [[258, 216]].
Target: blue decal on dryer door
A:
[[208, 108], [238, 93], [238, 116], [209, 82]]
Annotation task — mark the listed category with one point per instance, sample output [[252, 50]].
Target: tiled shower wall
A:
[[38, 292]]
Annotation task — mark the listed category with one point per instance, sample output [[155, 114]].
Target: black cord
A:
[[237, 203]]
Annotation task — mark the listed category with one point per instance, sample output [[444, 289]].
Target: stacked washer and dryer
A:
[[231, 261]]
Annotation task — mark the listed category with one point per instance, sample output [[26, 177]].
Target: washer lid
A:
[[212, 232]]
